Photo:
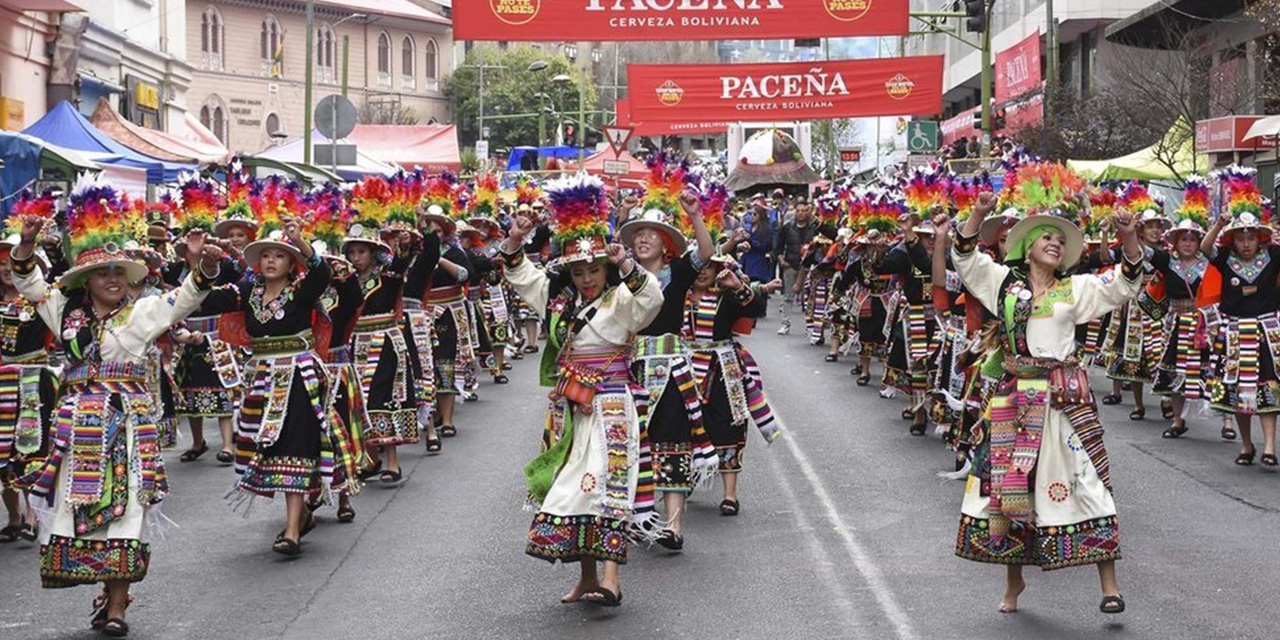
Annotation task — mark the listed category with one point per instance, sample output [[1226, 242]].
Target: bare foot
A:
[[1011, 592], [578, 591]]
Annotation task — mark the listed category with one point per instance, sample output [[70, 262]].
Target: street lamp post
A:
[[309, 80], [535, 67], [563, 79]]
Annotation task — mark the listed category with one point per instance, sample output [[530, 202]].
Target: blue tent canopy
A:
[[66, 127], [513, 163]]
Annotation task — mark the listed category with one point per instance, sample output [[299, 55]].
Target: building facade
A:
[[25, 63], [249, 60]]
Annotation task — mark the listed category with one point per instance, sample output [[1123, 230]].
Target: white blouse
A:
[[622, 313]]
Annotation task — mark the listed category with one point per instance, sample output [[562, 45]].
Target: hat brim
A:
[[449, 224], [565, 261], [253, 252], [221, 228], [989, 231], [1263, 231], [1075, 237], [1172, 234], [134, 270], [675, 240], [378, 245]]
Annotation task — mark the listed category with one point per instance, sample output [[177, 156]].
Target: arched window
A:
[[384, 58], [271, 46], [408, 63], [433, 65], [326, 52], [213, 115], [211, 36], [273, 124]]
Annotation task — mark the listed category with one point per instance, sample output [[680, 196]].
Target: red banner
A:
[[964, 125], [623, 107], [675, 20], [1018, 69], [785, 90]]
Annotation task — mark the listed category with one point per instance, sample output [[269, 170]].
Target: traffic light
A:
[[975, 12], [999, 122]]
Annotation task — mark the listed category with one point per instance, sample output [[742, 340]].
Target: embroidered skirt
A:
[[873, 317], [1242, 372], [285, 438], [1067, 489], [950, 368], [350, 420], [380, 356], [683, 455], [1184, 358], [454, 350], [419, 334], [911, 351], [816, 308], [27, 397], [1133, 345]]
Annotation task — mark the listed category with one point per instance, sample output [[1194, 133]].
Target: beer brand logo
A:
[[515, 12], [847, 10], [899, 87], [670, 93]]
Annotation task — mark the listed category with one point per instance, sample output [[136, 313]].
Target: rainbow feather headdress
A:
[[484, 206], [271, 202], [371, 203], [1047, 188], [1103, 203], [329, 219], [527, 192], [199, 208], [663, 184], [439, 199], [407, 190], [1193, 215], [581, 211], [714, 201], [1243, 202], [882, 215], [924, 190], [239, 211], [30, 205], [1142, 204], [101, 224], [964, 193]]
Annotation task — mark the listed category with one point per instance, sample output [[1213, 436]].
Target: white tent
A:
[[365, 165]]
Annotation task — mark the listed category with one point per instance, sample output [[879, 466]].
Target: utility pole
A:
[[480, 119], [582, 120], [986, 79], [1051, 43], [306, 92], [346, 62]]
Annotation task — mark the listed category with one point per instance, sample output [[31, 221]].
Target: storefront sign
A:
[[676, 20], [1225, 135], [1018, 69], [785, 91]]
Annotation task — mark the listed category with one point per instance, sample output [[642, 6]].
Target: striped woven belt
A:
[[667, 344], [596, 365], [340, 354], [412, 304], [34, 357], [1028, 367], [283, 345], [710, 345], [105, 372], [376, 323], [1182, 305], [441, 295], [474, 293], [207, 325]]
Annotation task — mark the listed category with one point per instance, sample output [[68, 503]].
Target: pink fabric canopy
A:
[[432, 147], [192, 143]]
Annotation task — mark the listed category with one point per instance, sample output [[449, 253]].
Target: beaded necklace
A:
[[1250, 270], [264, 312]]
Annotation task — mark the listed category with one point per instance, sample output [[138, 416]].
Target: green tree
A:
[[510, 89]]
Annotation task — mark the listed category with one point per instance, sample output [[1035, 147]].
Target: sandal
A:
[[225, 457], [1111, 398], [1246, 459], [603, 597], [919, 429], [856, 371], [1138, 414], [506, 366], [1166, 410], [1269, 460], [831, 357], [10, 533], [27, 531], [908, 414], [1175, 431], [533, 348], [1228, 433], [1112, 604], [306, 528], [346, 514], [729, 507], [501, 379], [390, 477], [370, 472], [433, 446], [863, 380], [671, 540], [516, 356], [448, 431], [287, 547], [191, 455], [115, 628]]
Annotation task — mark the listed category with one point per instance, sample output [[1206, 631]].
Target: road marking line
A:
[[862, 561]]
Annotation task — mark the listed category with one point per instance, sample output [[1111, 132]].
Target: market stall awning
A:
[[262, 167], [1170, 159], [365, 164], [431, 147], [1268, 127], [65, 127], [636, 169], [189, 148], [23, 159]]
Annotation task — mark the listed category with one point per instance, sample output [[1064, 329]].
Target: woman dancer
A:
[[106, 431], [586, 482], [454, 350], [1245, 325], [1041, 489]]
